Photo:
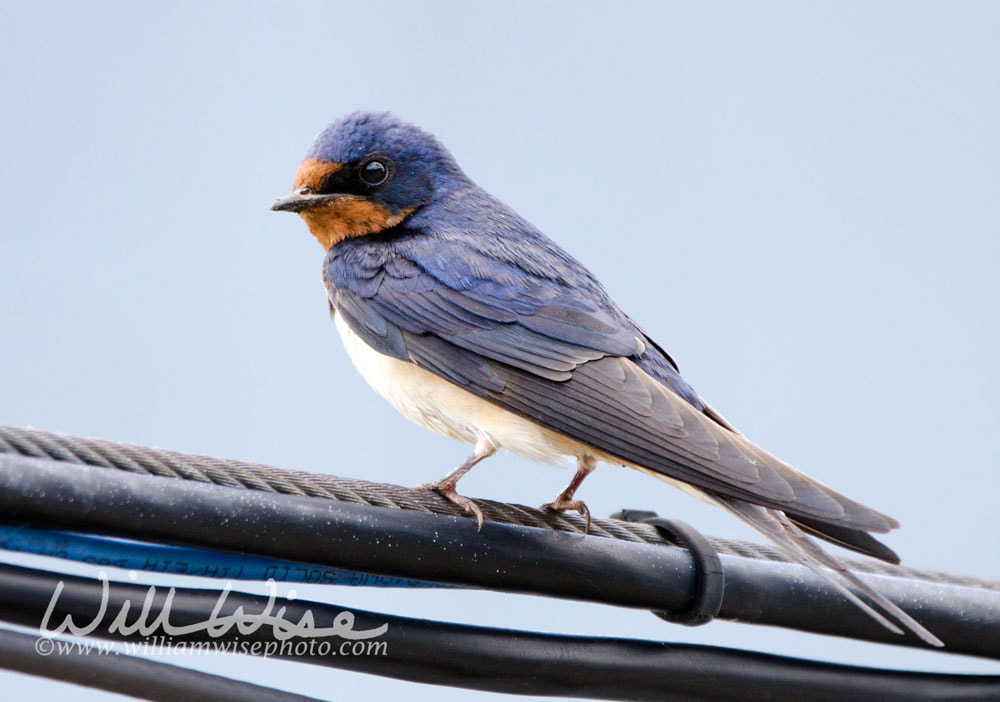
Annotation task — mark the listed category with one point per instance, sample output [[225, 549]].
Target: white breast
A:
[[445, 408]]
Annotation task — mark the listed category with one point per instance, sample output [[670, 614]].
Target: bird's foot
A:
[[446, 489], [580, 506]]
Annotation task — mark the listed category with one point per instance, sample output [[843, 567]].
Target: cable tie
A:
[[710, 578]]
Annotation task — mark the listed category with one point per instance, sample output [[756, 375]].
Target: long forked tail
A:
[[778, 529]]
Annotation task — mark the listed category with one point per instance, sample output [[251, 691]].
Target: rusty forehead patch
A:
[[312, 172]]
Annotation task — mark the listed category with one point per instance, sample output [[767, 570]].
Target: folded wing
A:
[[564, 359]]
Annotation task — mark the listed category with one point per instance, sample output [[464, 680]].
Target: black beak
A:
[[304, 198]]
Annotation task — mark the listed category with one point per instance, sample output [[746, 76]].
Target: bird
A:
[[475, 325]]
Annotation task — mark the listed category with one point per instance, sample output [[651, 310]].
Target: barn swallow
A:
[[475, 325]]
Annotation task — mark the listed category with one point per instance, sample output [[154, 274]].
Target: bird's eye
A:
[[374, 173]]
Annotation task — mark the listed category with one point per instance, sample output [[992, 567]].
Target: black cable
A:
[[158, 462], [128, 675], [501, 660], [501, 557]]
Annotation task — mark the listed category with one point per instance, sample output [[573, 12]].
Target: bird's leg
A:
[[584, 466], [446, 485]]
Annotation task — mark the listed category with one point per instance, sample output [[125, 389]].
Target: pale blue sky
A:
[[798, 200]]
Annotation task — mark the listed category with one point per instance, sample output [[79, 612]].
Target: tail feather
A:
[[859, 541], [780, 530]]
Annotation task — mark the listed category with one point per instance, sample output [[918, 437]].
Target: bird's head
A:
[[365, 173]]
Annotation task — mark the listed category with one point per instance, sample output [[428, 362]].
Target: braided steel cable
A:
[[255, 476]]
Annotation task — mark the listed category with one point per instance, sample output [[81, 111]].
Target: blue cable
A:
[[182, 560]]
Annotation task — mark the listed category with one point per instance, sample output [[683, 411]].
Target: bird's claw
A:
[[448, 492], [578, 505]]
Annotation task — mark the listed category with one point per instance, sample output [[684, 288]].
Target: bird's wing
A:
[[552, 355]]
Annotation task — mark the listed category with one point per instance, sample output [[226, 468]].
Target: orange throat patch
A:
[[349, 217], [345, 217]]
